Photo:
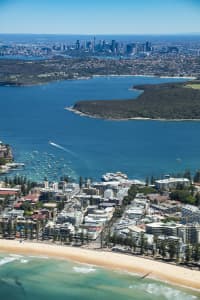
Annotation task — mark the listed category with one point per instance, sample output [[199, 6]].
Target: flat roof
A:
[[50, 205], [9, 189], [172, 180]]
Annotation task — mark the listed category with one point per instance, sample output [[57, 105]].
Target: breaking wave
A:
[[24, 261], [16, 256], [164, 292], [84, 270], [7, 260], [39, 256]]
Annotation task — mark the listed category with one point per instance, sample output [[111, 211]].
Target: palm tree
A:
[[82, 237], [188, 253], [31, 231], [101, 239], [3, 229], [163, 249], [172, 250], [9, 227], [133, 244], [196, 252], [155, 245], [54, 235], [37, 229], [26, 229], [1, 226], [142, 243]]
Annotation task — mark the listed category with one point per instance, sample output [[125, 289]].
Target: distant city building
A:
[[130, 49], [77, 45], [147, 46]]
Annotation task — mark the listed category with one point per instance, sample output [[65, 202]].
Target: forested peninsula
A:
[[171, 101]]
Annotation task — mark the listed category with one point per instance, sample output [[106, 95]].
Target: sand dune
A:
[[162, 271]]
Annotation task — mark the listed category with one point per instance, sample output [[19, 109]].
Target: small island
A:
[[171, 101]]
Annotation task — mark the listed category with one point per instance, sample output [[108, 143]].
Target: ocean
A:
[[52, 141], [41, 278]]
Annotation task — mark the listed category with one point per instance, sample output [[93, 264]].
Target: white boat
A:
[[118, 176], [15, 165]]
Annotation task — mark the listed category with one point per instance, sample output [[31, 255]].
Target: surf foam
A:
[[84, 270]]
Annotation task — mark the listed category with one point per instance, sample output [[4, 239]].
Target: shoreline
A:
[[89, 77], [144, 75], [164, 272], [77, 112]]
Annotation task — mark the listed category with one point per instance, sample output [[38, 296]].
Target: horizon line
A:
[[105, 34]]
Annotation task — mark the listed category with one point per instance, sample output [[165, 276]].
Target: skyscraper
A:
[[77, 45]]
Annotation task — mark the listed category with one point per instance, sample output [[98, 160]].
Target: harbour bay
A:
[[53, 142]]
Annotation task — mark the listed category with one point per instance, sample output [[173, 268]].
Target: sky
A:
[[100, 16]]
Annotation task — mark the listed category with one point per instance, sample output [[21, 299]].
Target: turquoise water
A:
[[26, 277], [33, 116]]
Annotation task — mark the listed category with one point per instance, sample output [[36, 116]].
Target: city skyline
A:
[[101, 17]]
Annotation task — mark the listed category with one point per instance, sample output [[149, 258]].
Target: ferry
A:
[[118, 176], [14, 165]]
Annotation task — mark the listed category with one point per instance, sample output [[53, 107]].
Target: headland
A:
[[171, 101]]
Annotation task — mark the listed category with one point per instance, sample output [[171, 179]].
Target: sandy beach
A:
[[115, 261]]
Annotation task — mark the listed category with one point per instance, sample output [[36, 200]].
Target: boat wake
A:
[[61, 148]]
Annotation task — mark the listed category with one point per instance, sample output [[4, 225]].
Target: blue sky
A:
[[100, 16]]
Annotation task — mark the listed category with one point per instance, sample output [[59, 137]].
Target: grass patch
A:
[[193, 86]]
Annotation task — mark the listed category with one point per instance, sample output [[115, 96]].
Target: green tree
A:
[[80, 182], [9, 227], [142, 243], [118, 212], [2, 161], [187, 175], [197, 176], [133, 245], [6, 180], [196, 252], [172, 250], [26, 225], [82, 237], [185, 196], [163, 249], [152, 180], [188, 254], [197, 199]]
